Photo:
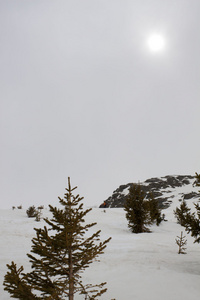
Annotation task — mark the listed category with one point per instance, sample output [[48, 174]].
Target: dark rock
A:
[[190, 195], [159, 187]]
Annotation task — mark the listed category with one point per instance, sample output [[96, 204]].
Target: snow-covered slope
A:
[[136, 266]]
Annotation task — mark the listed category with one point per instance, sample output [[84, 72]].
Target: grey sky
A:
[[82, 96]]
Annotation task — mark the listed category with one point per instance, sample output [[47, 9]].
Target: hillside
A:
[[136, 266], [163, 189]]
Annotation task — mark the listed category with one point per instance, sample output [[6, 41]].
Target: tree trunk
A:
[[71, 281], [69, 239]]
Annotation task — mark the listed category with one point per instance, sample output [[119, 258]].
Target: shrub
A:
[[32, 212]]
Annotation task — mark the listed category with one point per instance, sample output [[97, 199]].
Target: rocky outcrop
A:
[[163, 188]]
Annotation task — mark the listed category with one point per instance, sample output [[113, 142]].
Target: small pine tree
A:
[[59, 259], [137, 211], [16, 284], [182, 213], [38, 216], [32, 212], [181, 242]]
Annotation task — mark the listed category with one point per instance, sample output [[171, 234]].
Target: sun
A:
[[156, 42]]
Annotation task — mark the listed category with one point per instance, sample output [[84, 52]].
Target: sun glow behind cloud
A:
[[79, 83], [156, 42]]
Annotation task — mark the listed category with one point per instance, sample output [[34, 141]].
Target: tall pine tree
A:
[[137, 210], [60, 253], [154, 210]]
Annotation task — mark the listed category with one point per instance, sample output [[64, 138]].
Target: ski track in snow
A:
[[135, 266]]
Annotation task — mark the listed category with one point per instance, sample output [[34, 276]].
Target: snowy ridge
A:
[[163, 188]]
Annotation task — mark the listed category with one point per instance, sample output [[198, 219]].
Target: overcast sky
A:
[[82, 95]]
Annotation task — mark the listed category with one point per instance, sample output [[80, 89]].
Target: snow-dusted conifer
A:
[[137, 210], [60, 253]]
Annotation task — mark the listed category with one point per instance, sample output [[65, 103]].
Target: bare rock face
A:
[[163, 188]]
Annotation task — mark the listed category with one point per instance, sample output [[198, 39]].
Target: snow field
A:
[[135, 266]]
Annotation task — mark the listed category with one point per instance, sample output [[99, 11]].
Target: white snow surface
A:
[[143, 266]]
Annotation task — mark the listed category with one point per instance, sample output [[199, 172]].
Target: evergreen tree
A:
[[155, 212], [197, 181], [182, 214], [191, 221], [58, 259], [16, 284], [32, 212], [181, 242], [137, 210]]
